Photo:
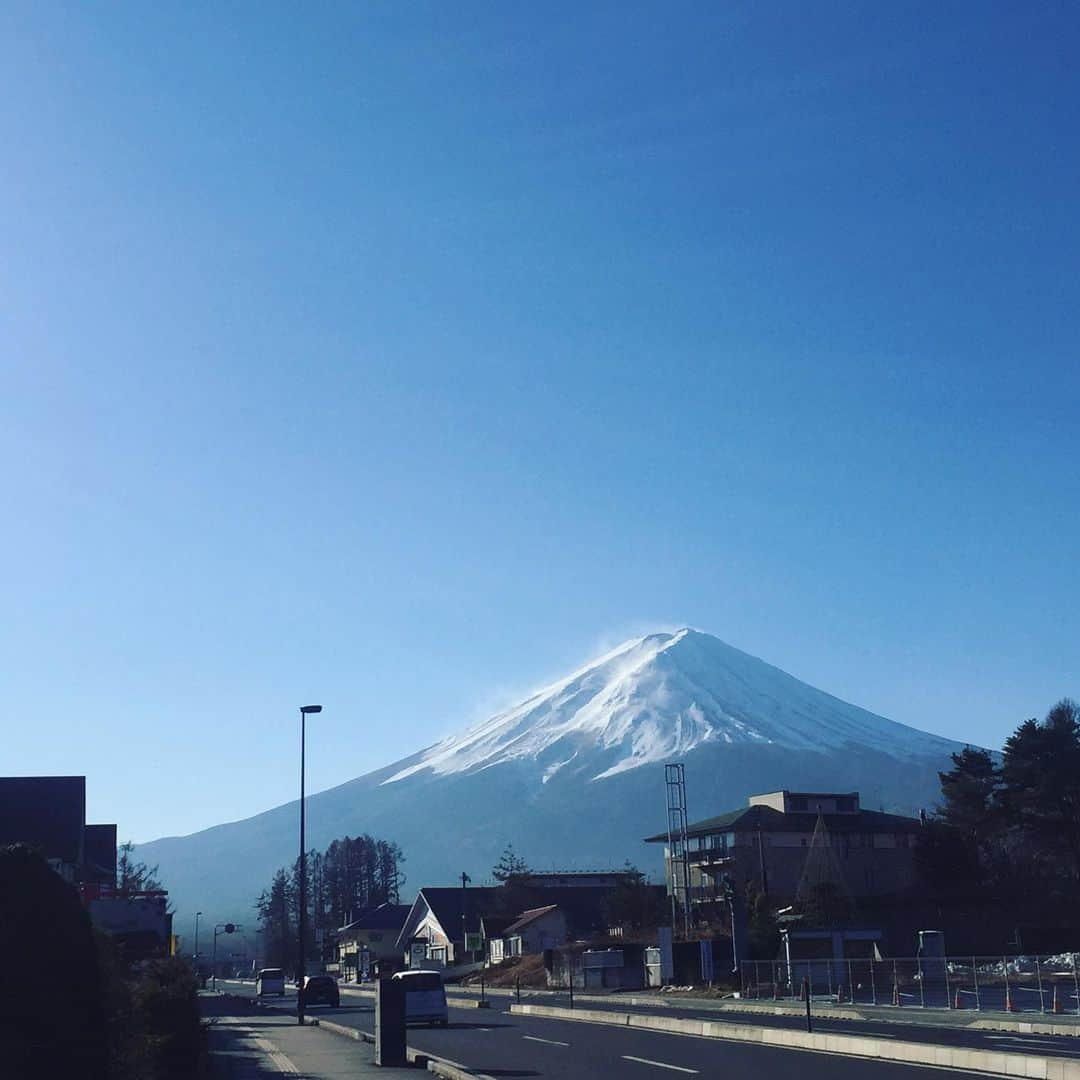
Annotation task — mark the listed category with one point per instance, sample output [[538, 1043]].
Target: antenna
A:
[[678, 861]]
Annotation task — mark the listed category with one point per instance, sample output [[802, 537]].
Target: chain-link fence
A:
[[1042, 984]]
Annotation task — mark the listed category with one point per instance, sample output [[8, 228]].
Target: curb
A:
[[996, 1062], [1025, 1027], [946, 1018], [439, 1066]]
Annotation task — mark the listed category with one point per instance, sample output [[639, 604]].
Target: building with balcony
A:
[[766, 845]]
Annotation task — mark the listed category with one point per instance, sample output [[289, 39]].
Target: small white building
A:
[[532, 932]]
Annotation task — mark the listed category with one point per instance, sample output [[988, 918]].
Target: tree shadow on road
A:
[[505, 1072], [477, 1026]]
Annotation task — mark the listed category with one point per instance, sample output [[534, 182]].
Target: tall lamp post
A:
[[198, 915], [305, 711]]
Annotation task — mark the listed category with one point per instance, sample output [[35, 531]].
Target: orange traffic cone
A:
[[958, 1002], [840, 993], [776, 990], [1009, 1006], [802, 991], [896, 994], [1056, 1006]]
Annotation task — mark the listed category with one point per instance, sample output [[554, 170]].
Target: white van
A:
[[425, 997], [270, 981]]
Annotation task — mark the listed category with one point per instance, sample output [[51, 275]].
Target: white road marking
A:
[[551, 1042], [658, 1064]]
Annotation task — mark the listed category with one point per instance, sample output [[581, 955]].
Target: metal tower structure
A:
[[678, 858]]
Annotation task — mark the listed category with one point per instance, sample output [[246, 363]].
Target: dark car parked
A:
[[321, 990]]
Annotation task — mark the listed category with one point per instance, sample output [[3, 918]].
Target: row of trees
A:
[[1009, 824], [353, 874]]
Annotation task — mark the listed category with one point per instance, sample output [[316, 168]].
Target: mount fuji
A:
[[572, 775]]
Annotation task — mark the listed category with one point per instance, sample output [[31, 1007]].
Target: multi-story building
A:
[[767, 844], [49, 813]]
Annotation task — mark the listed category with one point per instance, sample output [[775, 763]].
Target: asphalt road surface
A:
[[500, 1044], [906, 1030]]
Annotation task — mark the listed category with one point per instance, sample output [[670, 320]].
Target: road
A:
[[913, 1030], [500, 1044]]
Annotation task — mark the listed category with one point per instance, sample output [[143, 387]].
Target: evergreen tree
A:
[[762, 929], [969, 794], [1041, 783], [632, 903], [276, 907], [510, 868]]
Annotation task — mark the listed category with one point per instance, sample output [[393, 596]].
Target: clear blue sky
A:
[[396, 356]]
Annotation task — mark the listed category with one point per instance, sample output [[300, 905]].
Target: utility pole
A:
[[465, 879], [761, 862]]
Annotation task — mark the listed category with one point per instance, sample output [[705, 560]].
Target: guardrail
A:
[[1041, 984]]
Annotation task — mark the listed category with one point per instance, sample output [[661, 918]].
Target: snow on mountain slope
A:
[[659, 697]]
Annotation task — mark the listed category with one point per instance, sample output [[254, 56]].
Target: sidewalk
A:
[[248, 1043]]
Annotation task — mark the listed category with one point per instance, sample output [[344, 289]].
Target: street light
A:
[[197, 916], [305, 710]]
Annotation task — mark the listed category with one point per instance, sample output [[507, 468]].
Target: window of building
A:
[[798, 802]]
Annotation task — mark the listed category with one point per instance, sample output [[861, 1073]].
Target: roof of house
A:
[[530, 916], [494, 925], [448, 904], [751, 818], [382, 917], [583, 905]]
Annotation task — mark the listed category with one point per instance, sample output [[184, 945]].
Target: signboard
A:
[[473, 942]]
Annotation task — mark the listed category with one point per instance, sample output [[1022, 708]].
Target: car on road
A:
[[321, 990], [425, 997], [270, 981]]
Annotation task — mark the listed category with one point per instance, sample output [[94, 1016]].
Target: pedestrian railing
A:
[[1041, 984]]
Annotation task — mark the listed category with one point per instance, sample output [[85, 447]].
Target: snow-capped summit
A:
[[572, 774], [658, 697]]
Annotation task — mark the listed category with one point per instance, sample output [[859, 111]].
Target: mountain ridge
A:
[[571, 775]]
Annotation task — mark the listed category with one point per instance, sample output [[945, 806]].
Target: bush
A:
[[166, 1005], [155, 1031], [52, 1019]]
